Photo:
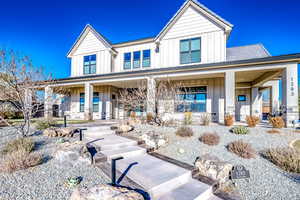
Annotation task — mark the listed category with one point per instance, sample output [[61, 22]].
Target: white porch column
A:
[[275, 96], [230, 93], [88, 101], [256, 102], [290, 94], [48, 107], [151, 87], [108, 109]]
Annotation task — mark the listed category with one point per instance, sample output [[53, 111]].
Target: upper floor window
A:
[[127, 60], [190, 51], [81, 102], [146, 58], [89, 64], [136, 59]]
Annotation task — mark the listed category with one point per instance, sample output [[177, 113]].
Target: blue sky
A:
[[45, 30]]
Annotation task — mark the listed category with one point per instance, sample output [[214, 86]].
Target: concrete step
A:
[[157, 177], [97, 134], [125, 152], [110, 142], [192, 190]]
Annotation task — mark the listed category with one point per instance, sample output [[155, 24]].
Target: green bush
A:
[[240, 130], [44, 124], [21, 144]]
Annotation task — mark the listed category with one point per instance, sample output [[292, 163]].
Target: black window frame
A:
[[190, 51], [124, 61], [91, 67]]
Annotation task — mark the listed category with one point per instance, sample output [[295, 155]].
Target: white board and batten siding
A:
[[91, 45]]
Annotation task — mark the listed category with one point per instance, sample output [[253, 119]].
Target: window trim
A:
[[81, 105], [90, 65], [190, 51], [130, 61], [96, 103]]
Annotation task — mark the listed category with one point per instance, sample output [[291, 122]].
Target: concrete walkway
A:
[[162, 180]]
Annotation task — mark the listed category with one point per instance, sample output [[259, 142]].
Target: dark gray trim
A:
[[135, 40], [281, 58]]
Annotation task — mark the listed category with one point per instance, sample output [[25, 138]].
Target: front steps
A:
[[162, 180]]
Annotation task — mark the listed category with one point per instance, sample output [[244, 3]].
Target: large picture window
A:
[[190, 51], [89, 64], [136, 59], [192, 99], [127, 60], [81, 102], [146, 58], [96, 100]]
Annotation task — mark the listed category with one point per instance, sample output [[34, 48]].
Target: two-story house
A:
[[192, 49]]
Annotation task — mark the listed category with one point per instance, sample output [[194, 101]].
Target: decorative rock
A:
[[50, 132], [212, 167], [154, 140], [181, 150], [70, 154], [124, 128], [60, 132], [105, 192]]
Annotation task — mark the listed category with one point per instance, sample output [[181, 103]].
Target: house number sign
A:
[[292, 87]]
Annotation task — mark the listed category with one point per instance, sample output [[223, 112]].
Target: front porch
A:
[[237, 92]]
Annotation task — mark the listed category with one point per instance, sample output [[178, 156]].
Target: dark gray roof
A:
[[246, 52]]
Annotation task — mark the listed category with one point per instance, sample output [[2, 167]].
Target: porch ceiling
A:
[[257, 77]]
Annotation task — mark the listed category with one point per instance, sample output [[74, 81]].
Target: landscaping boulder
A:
[[213, 168], [105, 192], [154, 139], [60, 132], [124, 128], [70, 154]]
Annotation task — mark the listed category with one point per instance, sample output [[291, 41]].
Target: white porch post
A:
[[151, 87], [275, 95], [88, 101], [230, 93], [256, 102], [290, 94], [48, 107]]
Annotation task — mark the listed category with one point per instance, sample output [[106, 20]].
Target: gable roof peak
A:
[[88, 28], [201, 8]]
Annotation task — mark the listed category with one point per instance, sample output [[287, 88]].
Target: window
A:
[[242, 98], [136, 59], [146, 58], [81, 102], [89, 64], [127, 60], [96, 100], [192, 99], [190, 51]]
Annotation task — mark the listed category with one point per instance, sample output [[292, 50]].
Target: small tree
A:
[[20, 83]]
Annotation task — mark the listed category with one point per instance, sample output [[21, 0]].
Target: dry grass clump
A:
[[21, 144], [19, 160], [252, 121], [205, 119], [184, 132], [287, 158], [277, 122], [242, 149], [210, 139], [188, 118], [229, 120], [273, 131], [149, 117]]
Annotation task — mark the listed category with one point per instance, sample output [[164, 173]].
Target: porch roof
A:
[[187, 68]]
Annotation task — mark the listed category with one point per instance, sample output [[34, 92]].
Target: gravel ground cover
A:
[[267, 182], [46, 181]]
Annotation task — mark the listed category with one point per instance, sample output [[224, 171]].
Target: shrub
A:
[[184, 132], [229, 120], [287, 158], [188, 118], [21, 144], [19, 160], [240, 130], [242, 149], [132, 115], [210, 138], [150, 117], [44, 124], [205, 119], [277, 122], [273, 131], [252, 121]]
